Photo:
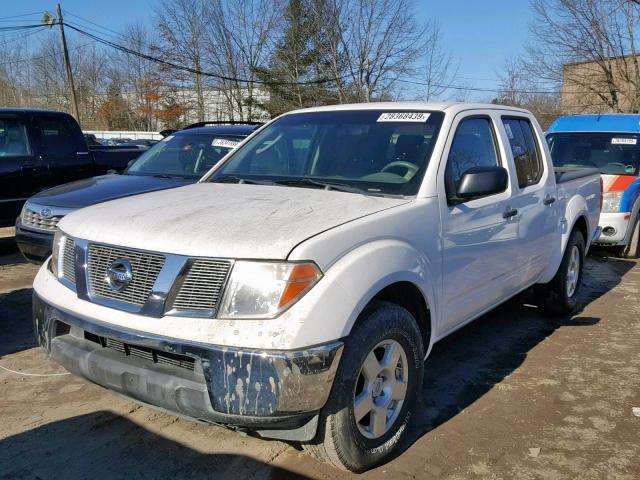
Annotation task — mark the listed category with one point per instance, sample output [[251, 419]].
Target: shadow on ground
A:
[[8, 245], [467, 364], [16, 325], [103, 445]]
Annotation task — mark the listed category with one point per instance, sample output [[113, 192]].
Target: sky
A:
[[480, 34]]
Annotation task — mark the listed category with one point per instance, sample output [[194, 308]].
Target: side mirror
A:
[[111, 171], [480, 182]]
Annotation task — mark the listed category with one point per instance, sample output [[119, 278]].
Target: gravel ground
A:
[[513, 395]]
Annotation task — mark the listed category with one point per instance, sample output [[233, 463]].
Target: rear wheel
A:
[[375, 391], [559, 295]]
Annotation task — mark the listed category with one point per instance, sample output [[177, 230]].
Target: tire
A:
[[559, 295], [359, 445], [632, 250]]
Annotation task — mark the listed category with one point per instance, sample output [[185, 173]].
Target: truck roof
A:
[[597, 123], [453, 107], [26, 111], [221, 130]]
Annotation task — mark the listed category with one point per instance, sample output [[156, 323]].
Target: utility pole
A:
[[67, 64]]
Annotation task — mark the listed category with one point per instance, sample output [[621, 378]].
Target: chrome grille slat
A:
[[202, 286], [69, 260], [146, 267], [35, 220]]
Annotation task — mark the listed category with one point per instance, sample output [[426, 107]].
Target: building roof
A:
[[597, 123]]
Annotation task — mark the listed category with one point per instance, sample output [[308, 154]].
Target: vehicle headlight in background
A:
[[23, 211], [611, 202], [266, 289], [58, 243]]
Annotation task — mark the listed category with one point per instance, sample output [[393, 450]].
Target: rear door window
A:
[[56, 136], [14, 141], [526, 155]]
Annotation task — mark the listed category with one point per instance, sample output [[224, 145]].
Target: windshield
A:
[[372, 151], [184, 155], [611, 153]]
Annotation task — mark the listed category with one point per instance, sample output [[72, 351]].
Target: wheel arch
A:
[[407, 295]]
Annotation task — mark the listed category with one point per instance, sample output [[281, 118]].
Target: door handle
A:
[[549, 200], [510, 212]]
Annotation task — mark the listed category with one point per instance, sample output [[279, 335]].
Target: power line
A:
[[5, 40], [21, 15], [175, 66], [16, 28], [478, 89], [41, 57]]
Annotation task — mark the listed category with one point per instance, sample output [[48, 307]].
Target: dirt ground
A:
[[513, 395]]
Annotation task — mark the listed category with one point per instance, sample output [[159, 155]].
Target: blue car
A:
[[610, 143], [179, 159]]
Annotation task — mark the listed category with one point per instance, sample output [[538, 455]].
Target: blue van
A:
[[610, 143]]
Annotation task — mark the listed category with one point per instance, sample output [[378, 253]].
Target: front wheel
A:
[[632, 250], [559, 295], [375, 391]]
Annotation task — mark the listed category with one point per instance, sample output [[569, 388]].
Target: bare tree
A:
[[517, 89], [589, 48], [182, 30], [371, 44], [241, 37], [440, 70]]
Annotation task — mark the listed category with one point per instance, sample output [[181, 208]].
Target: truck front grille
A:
[[35, 220], [202, 287], [145, 268], [69, 260]]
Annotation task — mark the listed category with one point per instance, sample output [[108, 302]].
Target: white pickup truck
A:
[[296, 290]]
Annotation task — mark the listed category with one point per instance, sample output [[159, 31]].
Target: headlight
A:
[[266, 289], [611, 202], [58, 243], [23, 211]]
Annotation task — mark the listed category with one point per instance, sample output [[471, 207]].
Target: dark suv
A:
[[179, 159]]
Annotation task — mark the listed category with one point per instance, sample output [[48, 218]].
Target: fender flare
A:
[[576, 209], [386, 262]]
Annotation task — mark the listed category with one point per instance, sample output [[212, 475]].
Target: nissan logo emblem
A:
[[119, 275], [46, 212]]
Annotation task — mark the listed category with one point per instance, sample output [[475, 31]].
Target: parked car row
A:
[[295, 290], [41, 149], [179, 159]]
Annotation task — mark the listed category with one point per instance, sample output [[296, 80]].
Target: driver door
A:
[[479, 236]]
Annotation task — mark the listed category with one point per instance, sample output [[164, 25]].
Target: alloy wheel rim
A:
[[381, 389], [573, 271]]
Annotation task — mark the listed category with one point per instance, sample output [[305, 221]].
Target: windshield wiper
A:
[[164, 175], [307, 182], [234, 179]]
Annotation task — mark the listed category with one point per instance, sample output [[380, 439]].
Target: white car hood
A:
[[221, 220]]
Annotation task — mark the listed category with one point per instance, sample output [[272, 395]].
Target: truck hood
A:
[[222, 220], [89, 191]]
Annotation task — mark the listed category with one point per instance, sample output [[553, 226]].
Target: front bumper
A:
[[614, 228], [276, 394], [35, 246]]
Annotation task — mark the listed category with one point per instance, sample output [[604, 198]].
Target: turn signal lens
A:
[[302, 277]]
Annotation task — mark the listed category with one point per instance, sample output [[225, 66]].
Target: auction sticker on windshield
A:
[[623, 141], [223, 142], [404, 117]]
